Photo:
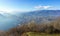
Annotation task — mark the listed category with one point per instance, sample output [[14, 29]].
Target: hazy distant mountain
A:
[[41, 15], [9, 20]]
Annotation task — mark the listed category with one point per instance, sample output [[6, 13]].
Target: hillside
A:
[[51, 29], [33, 29]]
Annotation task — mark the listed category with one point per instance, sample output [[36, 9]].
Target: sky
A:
[[29, 5]]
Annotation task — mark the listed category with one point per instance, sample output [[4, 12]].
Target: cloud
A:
[[42, 7], [7, 10]]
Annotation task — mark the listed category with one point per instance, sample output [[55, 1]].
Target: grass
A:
[[40, 34]]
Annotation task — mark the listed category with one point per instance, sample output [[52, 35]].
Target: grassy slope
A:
[[41, 34]]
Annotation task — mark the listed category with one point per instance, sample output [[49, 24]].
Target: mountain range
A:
[[10, 20]]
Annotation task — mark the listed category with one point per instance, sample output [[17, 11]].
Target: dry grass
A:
[[41, 34]]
